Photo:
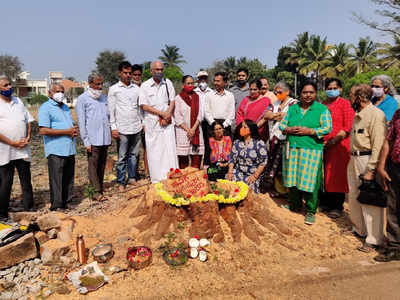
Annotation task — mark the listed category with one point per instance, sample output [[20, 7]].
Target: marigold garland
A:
[[179, 201]]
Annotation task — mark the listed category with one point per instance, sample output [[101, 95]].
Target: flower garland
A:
[[240, 193]]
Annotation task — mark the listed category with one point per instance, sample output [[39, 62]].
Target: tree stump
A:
[[250, 216]]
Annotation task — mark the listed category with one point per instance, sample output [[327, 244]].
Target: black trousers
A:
[[6, 180], [207, 133], [96, 165], [332, 200], [61, 179], [393, 206]]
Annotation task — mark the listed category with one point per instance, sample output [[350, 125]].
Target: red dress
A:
[[337, 156]]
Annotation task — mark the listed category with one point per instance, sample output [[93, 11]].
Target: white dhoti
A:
[[161, 151], [160, 140]]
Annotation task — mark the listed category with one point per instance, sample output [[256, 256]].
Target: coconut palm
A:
[[364, 57], [390, 54], [230, 67], [315, 57], [171, 56], [338, 60], [297, 47]]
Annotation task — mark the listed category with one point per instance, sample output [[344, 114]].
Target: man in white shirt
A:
[[157, 101], [126, 124], [202, 90], [220, 104], [15, 133]]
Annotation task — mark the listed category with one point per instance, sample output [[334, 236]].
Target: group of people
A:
[[316, 152]]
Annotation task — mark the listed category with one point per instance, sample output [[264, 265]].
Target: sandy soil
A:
[[282, 267]]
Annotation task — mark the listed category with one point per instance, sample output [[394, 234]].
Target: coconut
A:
[[193, 252], [194, 243], [203, 255], [204, 242]]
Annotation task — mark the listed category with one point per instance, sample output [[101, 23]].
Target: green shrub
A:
[[37, 99]]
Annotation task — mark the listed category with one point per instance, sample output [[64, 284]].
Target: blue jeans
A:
[[128, 154]]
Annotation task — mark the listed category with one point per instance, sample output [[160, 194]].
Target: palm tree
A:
[[230, 67], [338, 60], [315, 57], [390, 54], [297, 47], [171, 56], [364, 57]]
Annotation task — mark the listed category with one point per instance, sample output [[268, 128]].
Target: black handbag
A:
[[371, 193]]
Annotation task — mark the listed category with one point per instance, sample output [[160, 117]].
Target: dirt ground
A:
[[313, 262]]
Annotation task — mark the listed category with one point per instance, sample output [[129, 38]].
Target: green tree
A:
[[366, 78], [287, 77], [297, 48], [390, 10], [230, 65], [282, 64], [107, 65], [339, 60], [364, 57], [37, 99], [314, 57], [171, 56], [10, 66], [390, 54]]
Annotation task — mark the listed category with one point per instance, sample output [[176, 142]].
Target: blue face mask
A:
[[7, 93], [332, 93]]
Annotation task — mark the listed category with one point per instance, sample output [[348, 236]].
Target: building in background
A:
[[26, 88]]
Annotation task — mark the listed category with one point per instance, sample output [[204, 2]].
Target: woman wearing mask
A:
[[382, 95], [305, 125], [221, 146], [278, 110], [253, 107], [188, 115], [366, 140], [248, 157], [336, 149]]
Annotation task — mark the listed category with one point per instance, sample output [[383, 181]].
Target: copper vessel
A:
[[81, 249]]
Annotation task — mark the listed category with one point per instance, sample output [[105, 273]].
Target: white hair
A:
[[93, 76], [387, 83], [283, 85]]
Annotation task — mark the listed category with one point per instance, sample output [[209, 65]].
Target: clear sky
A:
[[68, 35]]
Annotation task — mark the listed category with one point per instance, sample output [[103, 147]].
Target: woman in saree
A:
[[272, 174], [253, 108]]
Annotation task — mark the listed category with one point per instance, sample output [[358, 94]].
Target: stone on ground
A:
[[18, 251], [48, 221], [52, 250], [41, 237]]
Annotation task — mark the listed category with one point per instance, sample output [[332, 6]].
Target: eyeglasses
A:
[[376, 86]]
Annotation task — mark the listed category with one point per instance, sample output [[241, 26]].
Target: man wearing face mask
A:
[[59, 133], [366, 140], [15, 133], [156, 98], [241, 89], [336, 149], [382, 95], [126, 124], [95, 130], [202, 90]]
